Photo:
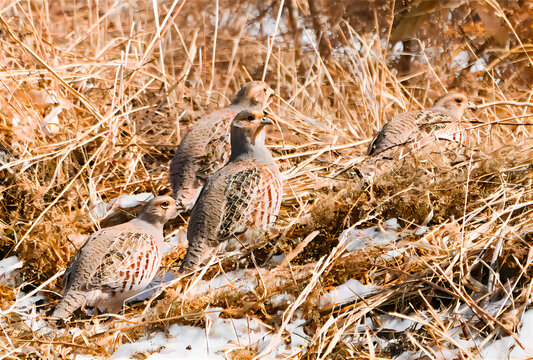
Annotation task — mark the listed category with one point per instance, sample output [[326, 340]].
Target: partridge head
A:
[[255, 95], [159, 210], [248, 132], [453, 104]]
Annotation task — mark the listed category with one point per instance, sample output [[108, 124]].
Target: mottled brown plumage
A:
[[118, 262], [440, 122], [206, 147], [240, 201]]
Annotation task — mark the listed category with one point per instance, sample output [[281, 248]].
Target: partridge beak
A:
[[270, 96], [266, 121], [471, 105], [180, 206]]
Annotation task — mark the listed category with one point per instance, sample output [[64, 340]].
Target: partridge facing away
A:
[[441, 122], [118, 262], [240, 201], [206, 147]]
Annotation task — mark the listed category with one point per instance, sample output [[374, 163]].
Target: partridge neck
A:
[[147, 220], [447, 112], [244, 146]]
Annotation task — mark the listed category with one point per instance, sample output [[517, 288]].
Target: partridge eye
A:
[[458, 100], [251, 118], [165, 204], [265, 89]]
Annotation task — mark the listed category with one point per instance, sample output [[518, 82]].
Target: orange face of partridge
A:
[[251, 124]]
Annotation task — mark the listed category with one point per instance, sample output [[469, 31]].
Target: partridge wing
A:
[[123, 264], [395, 133], [217, 153], [240, 195], [201, 151]]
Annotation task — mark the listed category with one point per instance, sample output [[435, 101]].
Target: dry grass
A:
[[94, 101]]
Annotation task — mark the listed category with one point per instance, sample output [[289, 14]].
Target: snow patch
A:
[[398, 47], [7, 266], [189, 342], [461, 60], [396, 324], [217, 282], [280, 300], [142, 345], [357, 239], [277, 259], [479, 65], [154, 286], [287, 350], [177, 239], [507, 348], [124, 201], [350, 290]]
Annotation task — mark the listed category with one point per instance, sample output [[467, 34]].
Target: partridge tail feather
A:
[[195, 256], [68, 305]]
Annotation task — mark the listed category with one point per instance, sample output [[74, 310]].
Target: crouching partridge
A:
[[424, 133], [240, 201], [442, 122], [118, 262]]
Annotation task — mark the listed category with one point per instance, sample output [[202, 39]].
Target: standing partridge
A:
[[441, 122], [118, 262], [206, 147], [240, 201]]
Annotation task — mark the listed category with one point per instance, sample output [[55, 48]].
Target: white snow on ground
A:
[[397, 324], [277, 259], [504, 348], [350, 290], [189, 342], [357, 239], [24, 305], [479, 65], [282, 299], [153, 287], [176, 239], [461, 60], [124, 201], [7, 266], [507, 347], [217, 282]]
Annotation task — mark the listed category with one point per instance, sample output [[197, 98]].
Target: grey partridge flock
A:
[[225, 173]]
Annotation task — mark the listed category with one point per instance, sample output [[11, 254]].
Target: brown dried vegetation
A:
[[94, 101]]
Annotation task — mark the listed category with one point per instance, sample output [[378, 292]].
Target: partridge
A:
[[118, 262], [206, 147], [441, 122], [240, 201]]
